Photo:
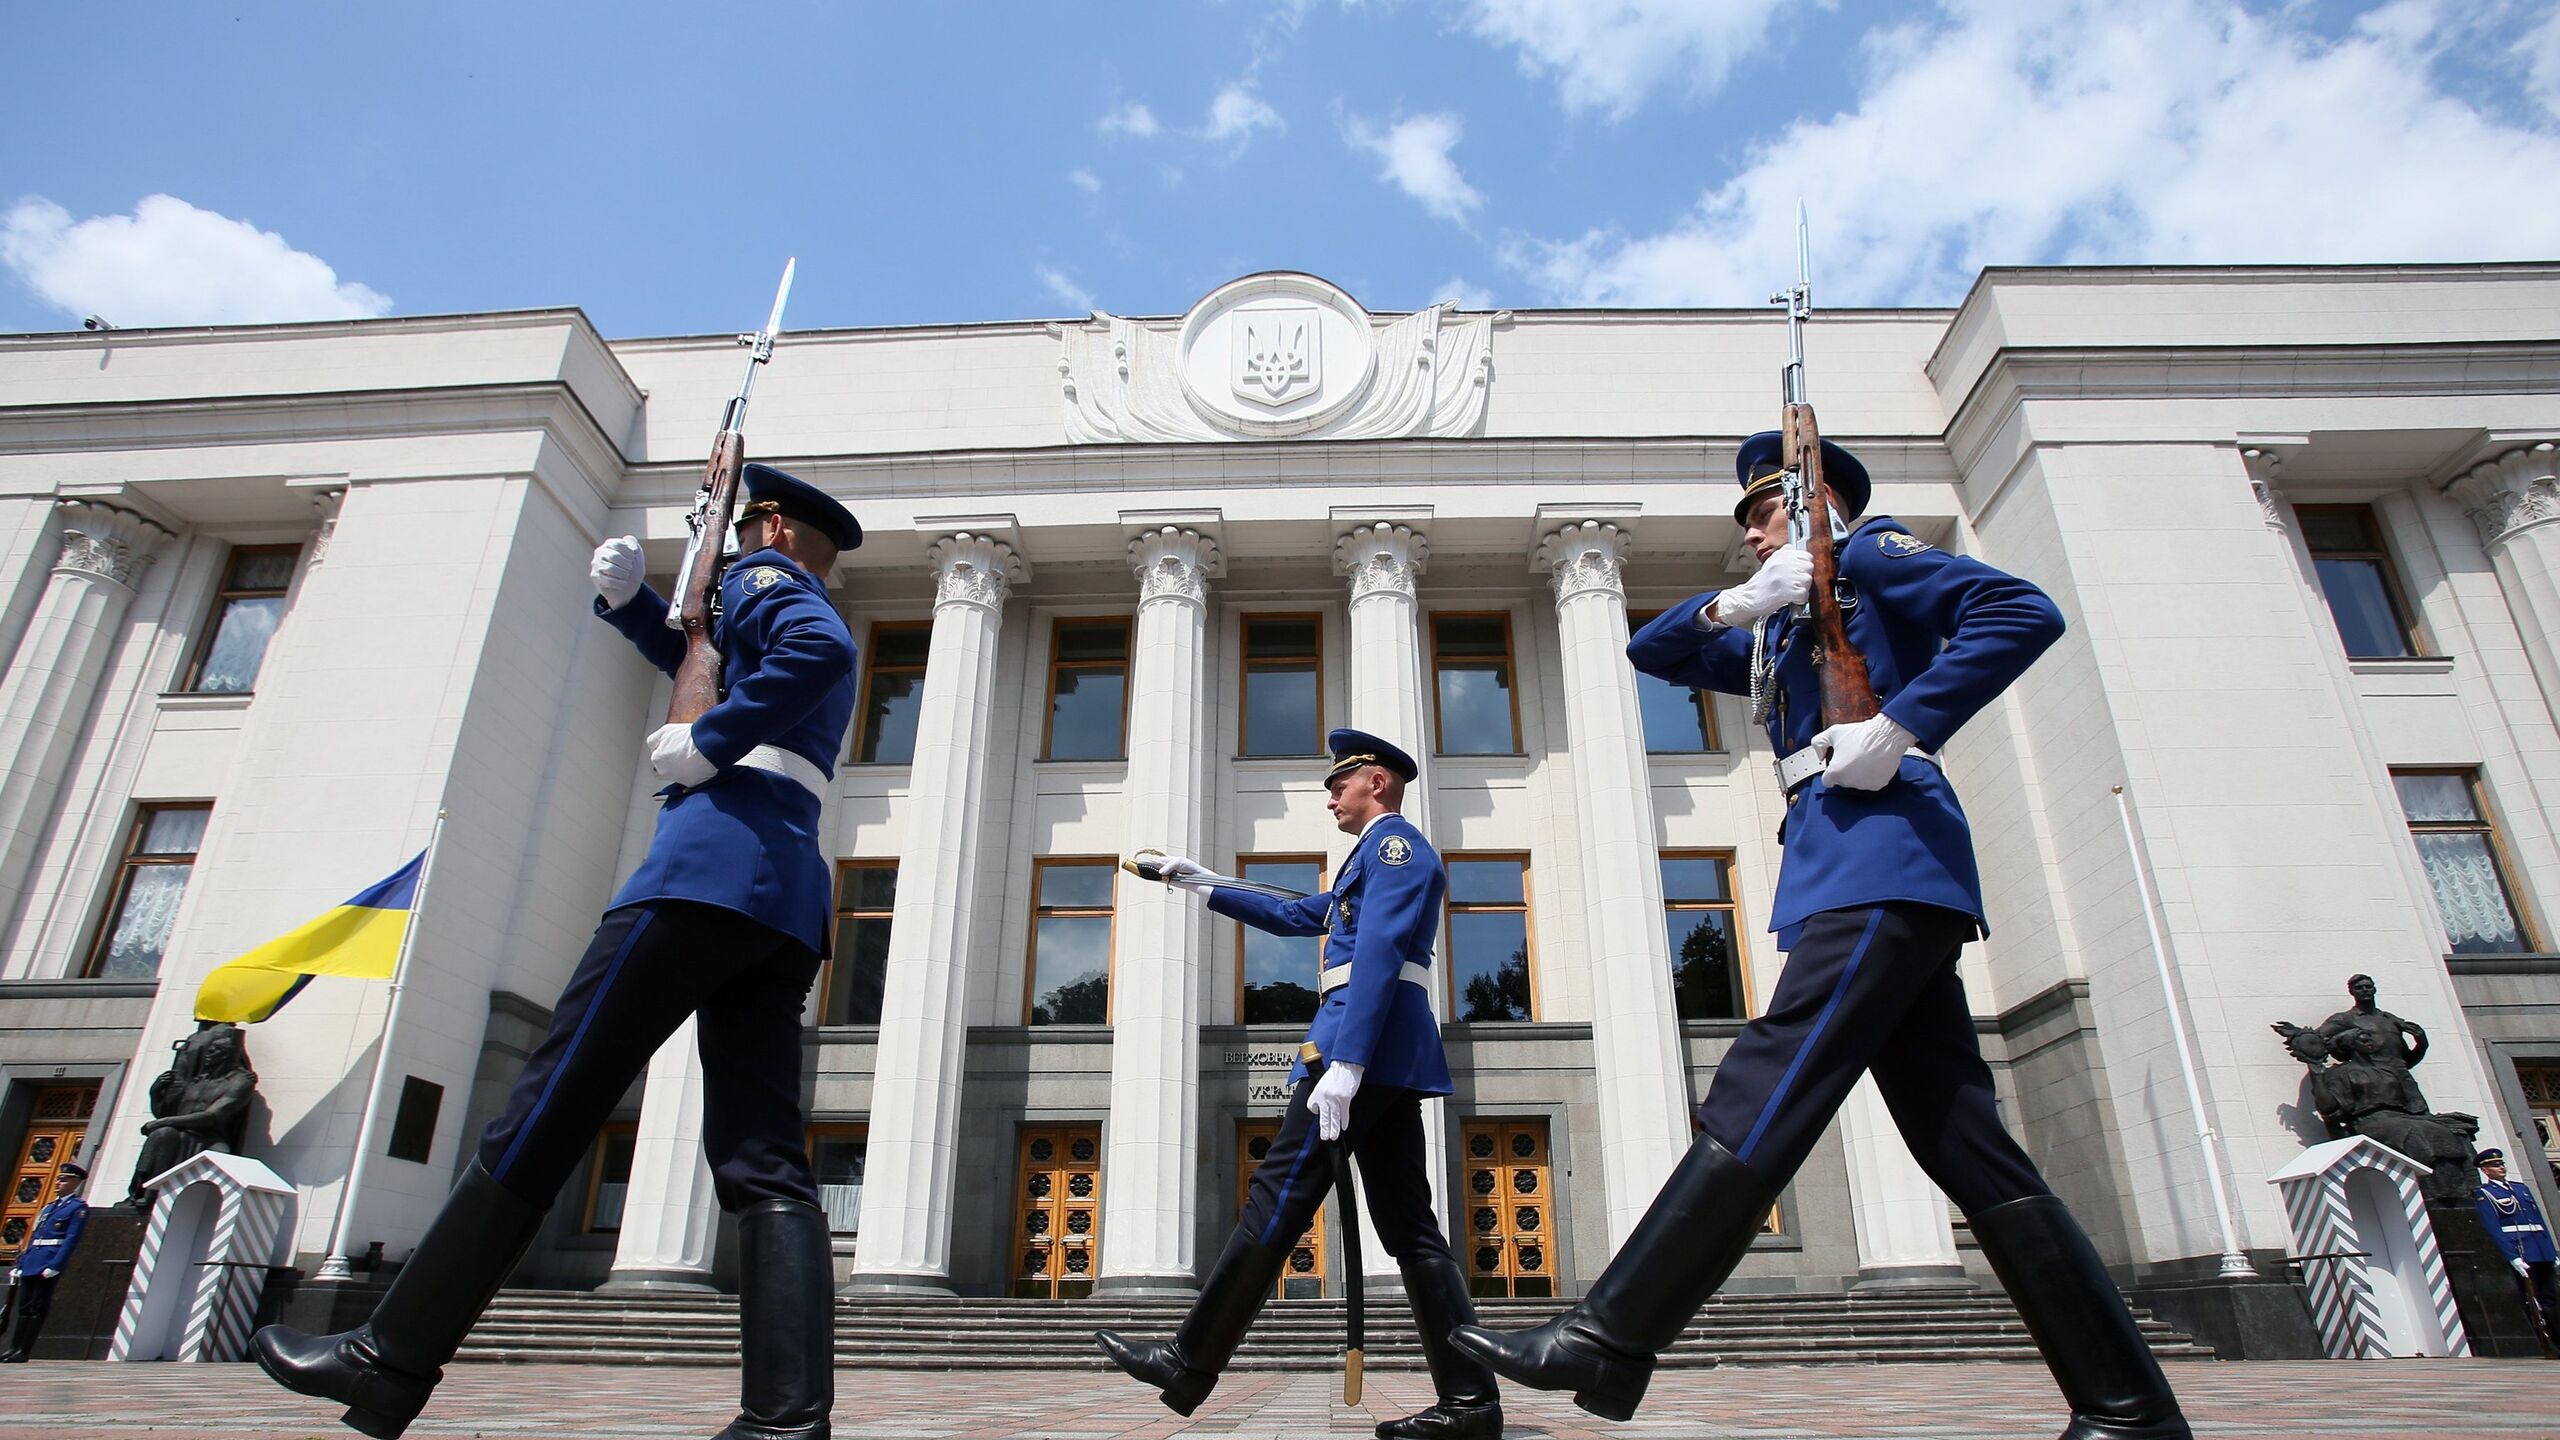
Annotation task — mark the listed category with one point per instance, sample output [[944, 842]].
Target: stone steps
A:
[[570, 1327]]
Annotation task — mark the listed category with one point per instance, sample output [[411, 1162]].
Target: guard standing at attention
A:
[[2515, 1221], [1380, 1046], [48, 1254], [1877, 894], [726, 919]]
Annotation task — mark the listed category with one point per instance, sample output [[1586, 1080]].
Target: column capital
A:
[[1173, 562], [972, 569], [107, 540], [2263, 466], [1382, 557], [1587, 556], [2516, 490], [325, 505]]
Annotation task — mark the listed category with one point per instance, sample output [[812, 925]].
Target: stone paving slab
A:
[[2381, 1400]]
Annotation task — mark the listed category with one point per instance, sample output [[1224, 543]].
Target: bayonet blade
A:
[[1804, 258], [773, 323]]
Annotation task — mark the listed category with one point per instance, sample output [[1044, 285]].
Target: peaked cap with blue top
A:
[[1762, 460], [772, 492]]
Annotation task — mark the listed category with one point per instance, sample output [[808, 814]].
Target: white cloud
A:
[[1236, 113], [1132, 119], [2029, 131], [1085, 180], [169, 263], [2540, 49], [1415, 158], [1058, 283], [1607, 55], [1463, 293]]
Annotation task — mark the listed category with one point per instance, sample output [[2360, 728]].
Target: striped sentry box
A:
[[203, 1263], [2346, 1269]]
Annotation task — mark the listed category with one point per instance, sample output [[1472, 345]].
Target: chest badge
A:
[[762, 578], [1897, 544], [1395, 850]]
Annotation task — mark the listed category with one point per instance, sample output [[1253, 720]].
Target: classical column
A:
[[915, 1088], [1904, 1235], [1149, 1198], [1635, 1031], [670, 1217], [53, 679], [2514, 499]]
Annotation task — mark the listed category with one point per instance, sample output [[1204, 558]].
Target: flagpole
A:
[[333, 1265]]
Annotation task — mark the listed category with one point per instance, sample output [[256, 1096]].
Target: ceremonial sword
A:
[[1149, 865], [1355, 1323]]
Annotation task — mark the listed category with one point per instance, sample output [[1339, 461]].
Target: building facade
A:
[[273, 597]]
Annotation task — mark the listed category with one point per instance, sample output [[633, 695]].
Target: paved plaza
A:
[[2400, 1400]]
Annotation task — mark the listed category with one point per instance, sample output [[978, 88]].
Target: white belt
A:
[[1808, 762], [790, 765], [1337, 976]]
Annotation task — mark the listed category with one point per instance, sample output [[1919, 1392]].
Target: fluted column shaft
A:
[[2515, 499], [1904, 1234], [670, 1215], [1149, 1199], [915, 1089]]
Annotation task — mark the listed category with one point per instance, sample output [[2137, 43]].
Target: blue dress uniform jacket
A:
[[2515, 1221], [1382, 912], [55, 1236], [1942, 635], [747, 839]]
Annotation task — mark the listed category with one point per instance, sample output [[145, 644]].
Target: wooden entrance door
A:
[[56, 1125], [1057, 1212], [1303, 1277], [1508, 1205]]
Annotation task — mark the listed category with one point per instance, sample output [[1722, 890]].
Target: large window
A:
[[1283, 693], [1088, 690], [1070, 970], [245, 612], [609, 1177], [1471, 671], [1489, 938], [1706, 954], [2356, 576], [866, 890], [1677, 719], [893, 693], [836, 1155], [159, 855], [2464, 862], [1276, 974]]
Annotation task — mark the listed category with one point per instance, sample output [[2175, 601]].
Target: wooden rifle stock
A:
[[1847, 695], [698, 677]]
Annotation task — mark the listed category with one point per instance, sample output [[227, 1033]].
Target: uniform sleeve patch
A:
[[1395, 850], [762, 578], [1898, 543]]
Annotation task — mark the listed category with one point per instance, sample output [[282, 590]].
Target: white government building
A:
[[272, 596]]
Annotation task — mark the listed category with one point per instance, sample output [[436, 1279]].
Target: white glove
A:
[[1785, 578], [1187, 873], [56, 1274], [1330, 1101], [1863, 756], [2521, 1268], [616, 571], [673, 756]]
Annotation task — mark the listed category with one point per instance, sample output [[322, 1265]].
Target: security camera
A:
[[94, 322]]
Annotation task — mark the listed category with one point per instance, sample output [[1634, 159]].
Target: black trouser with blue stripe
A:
[[1872, 988], [1384, 1131], [649, 966]]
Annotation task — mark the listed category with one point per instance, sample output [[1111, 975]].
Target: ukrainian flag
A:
[[360, 939]]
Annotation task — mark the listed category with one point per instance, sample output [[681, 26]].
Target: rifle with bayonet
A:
[[1847, 695], [696, 604]]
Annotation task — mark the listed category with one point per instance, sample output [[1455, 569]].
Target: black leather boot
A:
[[1469, 1405], [2079, 1320], [786, 1323], [384, 1369], [26, 1324], [1698, 1228], [1187, 1368]]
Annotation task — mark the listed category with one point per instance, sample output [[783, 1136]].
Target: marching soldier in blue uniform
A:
[[2515, 1221], [46, 1256], [726, 920], [1876, 896], [1380, 1045]]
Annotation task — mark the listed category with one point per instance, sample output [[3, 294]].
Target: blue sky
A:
[[183, 163]]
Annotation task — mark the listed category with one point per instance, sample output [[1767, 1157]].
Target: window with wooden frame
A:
[[246, 610], [1474, 705], [1068, 979], [837, 1156], [2358, 580], [1283, 703], [1677, 719], [1088, 691], [866, 892], [609, 1177], [1490, 973], [892, 692], [159, 856], [1276, 975], [2466, 862], [1698, 915]]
